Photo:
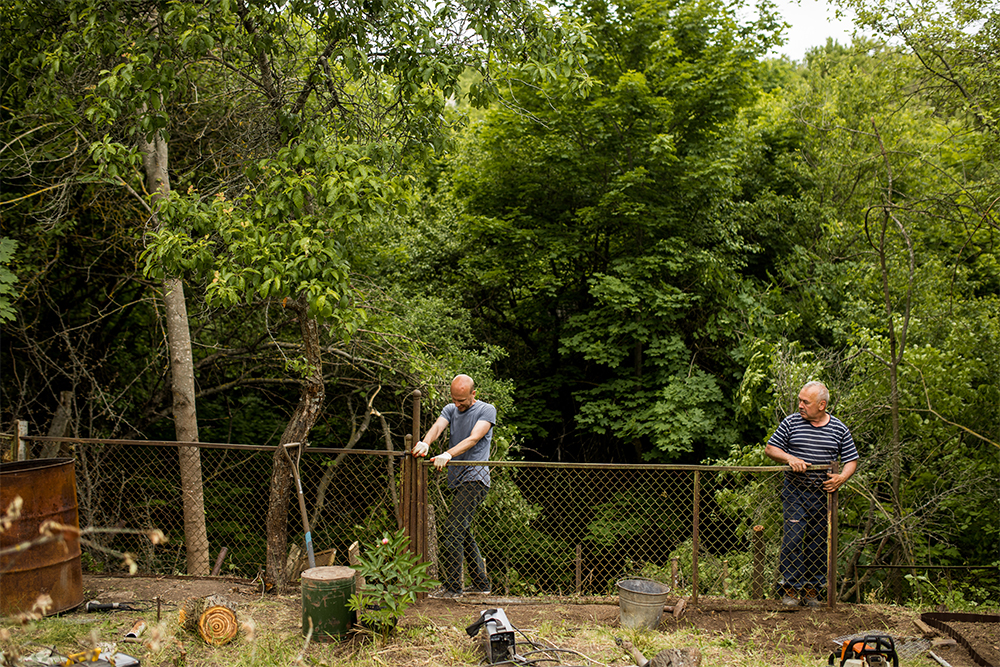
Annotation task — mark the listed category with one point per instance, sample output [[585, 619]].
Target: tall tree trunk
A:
[[299, 426], [186, 427], [155, 161], [888, 212]]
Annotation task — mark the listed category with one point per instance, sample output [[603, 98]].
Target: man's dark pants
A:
[[803, 544], [459, 540]]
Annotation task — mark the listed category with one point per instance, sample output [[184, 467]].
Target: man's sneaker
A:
[[810, 598], [790, 597], [444, 594]]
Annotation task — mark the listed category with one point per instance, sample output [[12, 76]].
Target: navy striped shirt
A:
[[814, 444]]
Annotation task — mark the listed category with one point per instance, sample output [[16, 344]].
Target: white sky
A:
[[812, 21]]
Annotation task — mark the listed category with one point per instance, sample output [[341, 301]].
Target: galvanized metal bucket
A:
[[640, 602], [47, 570]]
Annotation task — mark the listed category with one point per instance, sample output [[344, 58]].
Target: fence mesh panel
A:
[[349, 497], [580, 529], [544, 529]]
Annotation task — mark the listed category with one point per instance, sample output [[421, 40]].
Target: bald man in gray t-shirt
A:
[[471, 425]]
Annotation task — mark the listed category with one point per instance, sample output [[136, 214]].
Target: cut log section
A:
[[217, 625], [671, 657], [212, 617]]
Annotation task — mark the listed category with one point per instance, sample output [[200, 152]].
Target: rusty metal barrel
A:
[[47, 488]]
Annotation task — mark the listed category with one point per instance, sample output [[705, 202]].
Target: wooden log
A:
[[677, 657], [677, 609], [59, 427], [190, 612], [640, 659], [324, 557], [217, 625], [925, 630], [579, 569], [431, 542], [757, 578], [218, 561], [213, 618]]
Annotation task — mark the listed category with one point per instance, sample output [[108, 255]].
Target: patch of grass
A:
[[275, 640]]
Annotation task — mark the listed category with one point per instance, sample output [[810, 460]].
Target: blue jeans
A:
[[802, 563], [459, 541]]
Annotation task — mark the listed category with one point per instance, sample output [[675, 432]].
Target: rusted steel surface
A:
[[34, 566]]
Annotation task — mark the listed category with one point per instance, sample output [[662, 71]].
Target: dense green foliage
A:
[[641, 238], [596, 240]]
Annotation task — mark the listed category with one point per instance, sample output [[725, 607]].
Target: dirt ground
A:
[[762, 623]]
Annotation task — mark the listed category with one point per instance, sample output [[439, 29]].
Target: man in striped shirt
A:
[[810, 437]]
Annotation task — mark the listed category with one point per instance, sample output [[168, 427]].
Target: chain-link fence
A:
[[579, 529], [349, 496], [544, 529]]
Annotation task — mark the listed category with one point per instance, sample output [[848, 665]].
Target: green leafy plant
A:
[[393, 577], [7, 279]]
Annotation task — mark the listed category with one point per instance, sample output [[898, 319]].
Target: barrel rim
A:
[[663, 588], [313, 573], [33, 464]]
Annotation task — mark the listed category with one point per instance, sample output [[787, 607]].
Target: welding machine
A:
[[498, 642]]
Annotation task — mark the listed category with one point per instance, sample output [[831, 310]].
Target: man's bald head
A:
[[463, 392], [464, 382]]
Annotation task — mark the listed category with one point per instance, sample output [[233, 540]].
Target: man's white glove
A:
[[441, 460], [421, 448]]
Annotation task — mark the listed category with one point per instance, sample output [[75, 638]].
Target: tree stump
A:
[[212, 617]]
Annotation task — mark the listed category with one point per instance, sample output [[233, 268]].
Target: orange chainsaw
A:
[[867, 651]]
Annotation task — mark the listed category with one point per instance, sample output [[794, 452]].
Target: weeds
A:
[[271, 637]]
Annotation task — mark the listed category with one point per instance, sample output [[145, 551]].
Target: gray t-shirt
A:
[[460, 426]]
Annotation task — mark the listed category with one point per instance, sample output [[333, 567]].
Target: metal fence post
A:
[[404, 513], [21, 445], [831, 545], [757, 581], [694, 536], [413, 495]]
